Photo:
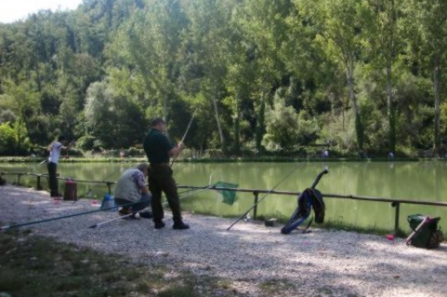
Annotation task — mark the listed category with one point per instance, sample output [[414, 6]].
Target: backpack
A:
[[429, 236]]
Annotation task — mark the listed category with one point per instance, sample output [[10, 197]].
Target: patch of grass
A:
[[34, 266], [325, 290], [43, 267], [178, 291], [274, 286]]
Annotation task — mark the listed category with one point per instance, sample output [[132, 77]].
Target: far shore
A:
[[13, 159]]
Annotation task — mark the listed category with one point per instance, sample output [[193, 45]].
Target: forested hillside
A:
[[262, 75]]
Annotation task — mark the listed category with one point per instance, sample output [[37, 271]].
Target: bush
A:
[[134, 152], [6, 139], [213, 153], [86, 142], [75, 152], [14, 139]]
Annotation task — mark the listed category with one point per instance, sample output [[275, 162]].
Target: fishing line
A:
[[245, 213], [209, 186], [6, 227], [73, 142], [104, 180]]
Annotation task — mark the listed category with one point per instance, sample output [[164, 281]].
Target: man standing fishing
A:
[[55, 153], [159, 149]]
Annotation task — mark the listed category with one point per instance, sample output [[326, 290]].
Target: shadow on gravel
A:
[[257, 260]]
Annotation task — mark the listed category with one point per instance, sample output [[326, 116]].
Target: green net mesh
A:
[[229, 197]]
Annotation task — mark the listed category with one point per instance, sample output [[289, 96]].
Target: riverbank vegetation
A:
[[215, 160], [360, 78]]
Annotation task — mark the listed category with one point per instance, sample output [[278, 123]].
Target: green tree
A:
[[149, 44], [209, 34], [7, 140], [281, 126], [428, 30], [23, 101], [240, 75], [382, 30], [114, 121], [338, 25], [263, 25]]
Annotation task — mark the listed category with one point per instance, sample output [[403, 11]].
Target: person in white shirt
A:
[[55, 153]]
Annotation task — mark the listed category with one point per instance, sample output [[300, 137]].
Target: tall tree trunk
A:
[[437, 91], [260, 123], [219, 126], [390, 112], [237, 146], [352, 97], [390, 45]]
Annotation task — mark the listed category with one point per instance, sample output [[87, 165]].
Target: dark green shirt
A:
[[156, 146]]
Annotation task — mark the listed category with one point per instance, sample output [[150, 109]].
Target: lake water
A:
[[425, 181]]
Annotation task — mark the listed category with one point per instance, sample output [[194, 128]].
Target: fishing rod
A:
[[67, 148], [123, 217], [90, 190], [111, 220], [263, 197], [209, 186], [7, 227], [184, 135], [83, 120]]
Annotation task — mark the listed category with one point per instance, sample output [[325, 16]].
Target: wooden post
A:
[[255, 209], [38, 185], [109, 184], [396, 216]]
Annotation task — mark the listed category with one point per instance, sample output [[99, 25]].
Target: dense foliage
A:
[[260, 76]]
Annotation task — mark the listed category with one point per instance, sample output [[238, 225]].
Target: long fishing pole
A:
[[128, 215], [60, 218], [184, 135], [68, 147], [111, 220], [200, 188], [90, 189], [73, 142], [263, 197]]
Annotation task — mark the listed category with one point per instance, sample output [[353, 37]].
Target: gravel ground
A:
[[253, 257]]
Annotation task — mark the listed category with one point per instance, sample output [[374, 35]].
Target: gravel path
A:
[[252, 256]]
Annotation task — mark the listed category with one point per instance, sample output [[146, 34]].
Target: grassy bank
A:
[[41, 267]]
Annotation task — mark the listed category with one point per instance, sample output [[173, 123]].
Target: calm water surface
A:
[[401, 180]]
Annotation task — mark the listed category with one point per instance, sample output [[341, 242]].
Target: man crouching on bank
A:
[[132, 193]]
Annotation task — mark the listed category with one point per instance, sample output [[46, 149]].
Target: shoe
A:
[[159, 225], [124, 211], [146, 215], [180, 226]]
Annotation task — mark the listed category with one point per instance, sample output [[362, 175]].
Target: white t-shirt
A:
[[55, 152]]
